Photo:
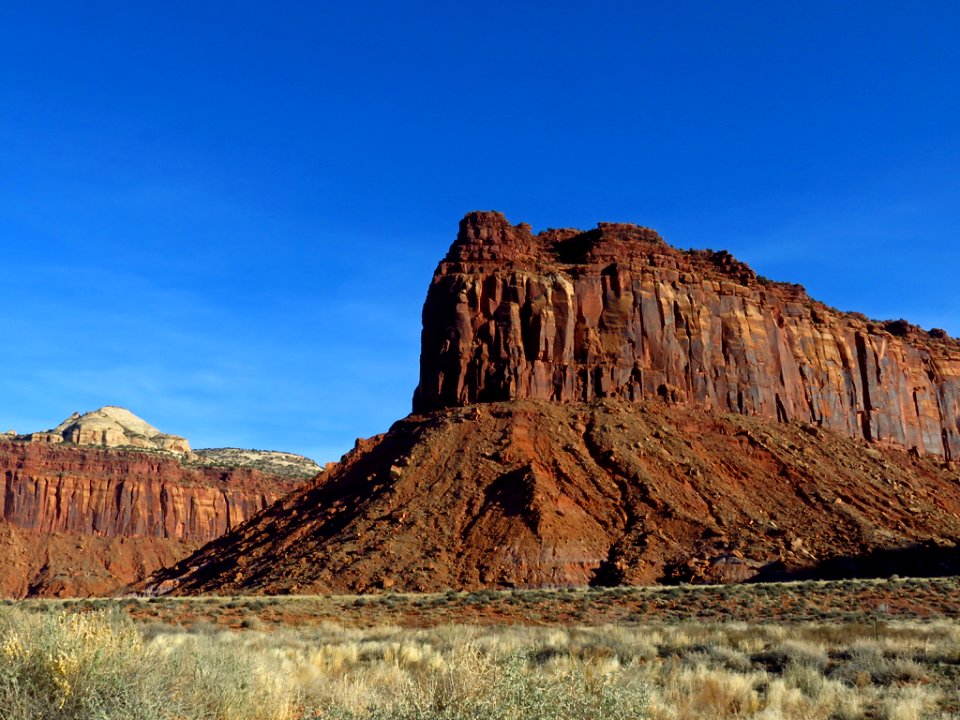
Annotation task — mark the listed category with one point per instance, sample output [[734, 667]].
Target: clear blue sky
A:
[[224, 216]]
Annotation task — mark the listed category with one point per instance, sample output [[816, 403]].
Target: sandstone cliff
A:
[[86, 520], [571, 316]]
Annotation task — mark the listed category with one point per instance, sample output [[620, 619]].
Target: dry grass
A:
[[102, 665]]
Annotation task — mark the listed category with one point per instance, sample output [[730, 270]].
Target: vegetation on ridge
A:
[[269, 462]]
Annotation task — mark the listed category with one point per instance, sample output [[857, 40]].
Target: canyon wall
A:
[[574, 316], [133, 511]]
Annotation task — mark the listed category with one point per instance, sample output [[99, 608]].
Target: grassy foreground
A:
[[57, 663]]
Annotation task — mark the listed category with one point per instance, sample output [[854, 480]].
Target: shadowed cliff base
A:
[[919, 560]]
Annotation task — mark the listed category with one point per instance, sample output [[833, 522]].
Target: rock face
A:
[[110, 426], [571, 316], [601, 408], [82, 520], [128, 494]]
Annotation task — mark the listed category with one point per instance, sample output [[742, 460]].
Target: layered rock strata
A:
[[572, 316], [110, 426], [140, 505]]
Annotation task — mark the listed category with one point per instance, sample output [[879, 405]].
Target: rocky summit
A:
[[110, 426], [105, 498], [600, 408]]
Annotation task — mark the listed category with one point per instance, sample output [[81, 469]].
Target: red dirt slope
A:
[[533, 493]]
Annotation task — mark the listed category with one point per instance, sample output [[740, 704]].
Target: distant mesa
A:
[[269, 462], [117, 427], [105, 498]]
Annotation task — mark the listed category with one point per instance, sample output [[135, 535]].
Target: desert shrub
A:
[[78, 666], [153, 629], [99, 666], [715, 657], [202, 626], [251, 622], [778, 658], [862, 669], [215, 684]]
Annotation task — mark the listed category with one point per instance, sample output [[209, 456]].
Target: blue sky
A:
[[224, 216]]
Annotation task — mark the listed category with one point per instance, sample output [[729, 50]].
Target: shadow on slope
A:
[[925, 559]]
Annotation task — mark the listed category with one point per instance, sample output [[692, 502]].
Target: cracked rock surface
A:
[[571, 316]]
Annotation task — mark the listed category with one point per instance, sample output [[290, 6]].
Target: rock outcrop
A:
[[571, 316], [87, 520], [601, 408], [130, 494], [110, 426]]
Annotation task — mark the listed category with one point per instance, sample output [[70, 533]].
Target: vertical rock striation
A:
[[88, 520], [573, 316], [129, 494]]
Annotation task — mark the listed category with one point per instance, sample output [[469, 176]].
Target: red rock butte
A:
[[573, 316], [600, 408]]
